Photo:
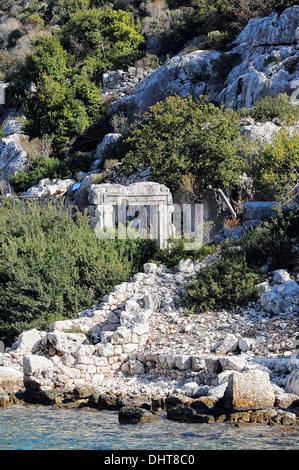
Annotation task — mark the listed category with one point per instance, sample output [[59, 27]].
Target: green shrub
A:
[[58, 110], [43, 167], [53, 266], [232, 279], [51, 167], [225, 284], [274, 243], [279, 106], [275, 168], [181, 136], [66, 68], [109, 30], [179, 250], [214, 40]]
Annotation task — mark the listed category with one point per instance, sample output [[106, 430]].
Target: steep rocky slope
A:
[[263, 61]]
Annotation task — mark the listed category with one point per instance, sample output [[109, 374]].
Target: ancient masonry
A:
[[150, 207], [118, 330]]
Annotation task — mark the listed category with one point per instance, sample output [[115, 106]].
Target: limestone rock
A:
[[284, 400], [246, 344], [47, 188], [10, 378], [34, 364], [13, 126], [280, 276], [274, 29], [237, 363], [281, 297], [229, 343], [187, 414], [251, 78], [108, 139], [185, 266], [248, 390], [29, 341], [292, 385], [13, 159], [257, 212], [152, 301], [60, 342]]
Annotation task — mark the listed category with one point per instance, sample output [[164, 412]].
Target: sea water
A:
[[30, 427]]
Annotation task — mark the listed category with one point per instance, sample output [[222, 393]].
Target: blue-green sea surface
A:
[[28, 427]]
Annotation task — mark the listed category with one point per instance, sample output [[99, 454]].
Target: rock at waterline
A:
[[248, 390], [136, 416]]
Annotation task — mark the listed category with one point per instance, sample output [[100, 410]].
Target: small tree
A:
[[181, 137], [276, 167]]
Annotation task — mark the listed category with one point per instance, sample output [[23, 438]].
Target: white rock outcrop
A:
[[261, 65], [13, 157]]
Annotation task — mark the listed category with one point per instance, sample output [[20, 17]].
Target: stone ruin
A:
[[146, 207]]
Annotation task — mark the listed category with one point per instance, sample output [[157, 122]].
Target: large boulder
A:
[[129, 415], [29, 341], [281, 297], [13, 157], [256, 212], [38, 371], [47, 188], [108, 140], [10, 378], [60, 342], [248, 390], [274, 29]]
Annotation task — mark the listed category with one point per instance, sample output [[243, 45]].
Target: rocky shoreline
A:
[[139, 353]]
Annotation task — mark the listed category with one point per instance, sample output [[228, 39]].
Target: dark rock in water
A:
[[174, 400], [104, 401], [136, 416], [140, 401], [187, 414]]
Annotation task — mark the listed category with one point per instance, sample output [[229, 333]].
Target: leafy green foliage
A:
[[232, 279], [53, 266], [270, 107], [274, 243], [109, 30], [43, 167], [51, 167], [66, 69], [179, 250], [181, 136], [225, 284], [276, 167]]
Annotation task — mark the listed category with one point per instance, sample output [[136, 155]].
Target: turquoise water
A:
[[44, 428]]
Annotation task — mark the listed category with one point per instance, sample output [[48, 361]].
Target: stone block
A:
[[248, 390]]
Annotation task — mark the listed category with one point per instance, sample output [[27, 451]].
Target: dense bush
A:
[[232, 279], [226, 283], [53, 266], [106, 29], [66, 69], [275, 168], [274, 243], [179, 250], [51, 167], [270, 107], [181, 136]]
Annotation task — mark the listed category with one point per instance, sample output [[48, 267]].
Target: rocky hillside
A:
[[263, 61]]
